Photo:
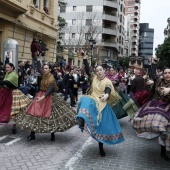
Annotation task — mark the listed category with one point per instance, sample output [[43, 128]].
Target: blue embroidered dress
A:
[[100, 119]]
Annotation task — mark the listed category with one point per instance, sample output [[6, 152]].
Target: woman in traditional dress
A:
[[12, 100], [47, 113], [154, 116], [118, 108], [95, 113]]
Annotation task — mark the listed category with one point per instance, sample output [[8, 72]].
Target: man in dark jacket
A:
[[35, 50], [138, 83], [67, 84]]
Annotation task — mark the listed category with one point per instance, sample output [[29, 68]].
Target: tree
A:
[[124, 62], [83, 30], [61, 24], [163, 53]]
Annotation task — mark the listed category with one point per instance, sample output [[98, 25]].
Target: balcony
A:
[[135, 29], [168, 20], [134, 46], [109, 43], [12, 8], [134, 34], [136, 11], [111, 31], [137, 1], [110, 3], [41, 16], [136, 23], [136, 18], [136, 5], [134, 40], [110, 17], [134, 52]]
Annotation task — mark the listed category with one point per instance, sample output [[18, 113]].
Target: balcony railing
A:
[[109, 27], [110, 3], [134, 46], [110, 16], [109, 43], [136, 23], [41, 15], [136, 5], [109, 13], [134, 34], [109, 31]]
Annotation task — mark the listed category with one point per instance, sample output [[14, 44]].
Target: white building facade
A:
[[132, 10], [101, 20], [167, 29]]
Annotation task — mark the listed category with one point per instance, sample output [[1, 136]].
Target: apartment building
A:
[[146, 41], [167, 29], [132, 9], [127, 40], [99, 20], [21, 20]]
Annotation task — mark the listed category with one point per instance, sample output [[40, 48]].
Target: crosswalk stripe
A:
[[78, 155], [13, 141], [3, 137]]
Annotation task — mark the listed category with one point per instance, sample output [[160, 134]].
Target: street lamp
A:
[[92, 45]]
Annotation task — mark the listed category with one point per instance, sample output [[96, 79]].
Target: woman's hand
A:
[[104, 97], [165, 91], [40, 98], [149, 82]]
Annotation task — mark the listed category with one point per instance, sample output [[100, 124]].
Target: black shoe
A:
[[73, 105], [30, 138], [163, 153], [163, 135], [80, 121], [165, 156], [101, 150], [14, 131], [102, 153], [52, 137]]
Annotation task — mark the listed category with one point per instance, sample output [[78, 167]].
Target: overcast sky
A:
[[156, 13]]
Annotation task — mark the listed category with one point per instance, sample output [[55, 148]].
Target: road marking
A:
[[78, 154], [13, 141], [3, 137]]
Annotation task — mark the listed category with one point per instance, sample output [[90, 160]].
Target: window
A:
[[46, 7], [74, 8], [89, 8], [36, 4], [46, 3], [62, 9], [87, 36], [88, 22], [73, 35], [130, 9], [131, 2], [74, 22], [148, 34], [62, 35]]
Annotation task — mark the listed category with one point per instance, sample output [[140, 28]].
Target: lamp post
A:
[[92, 45]]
